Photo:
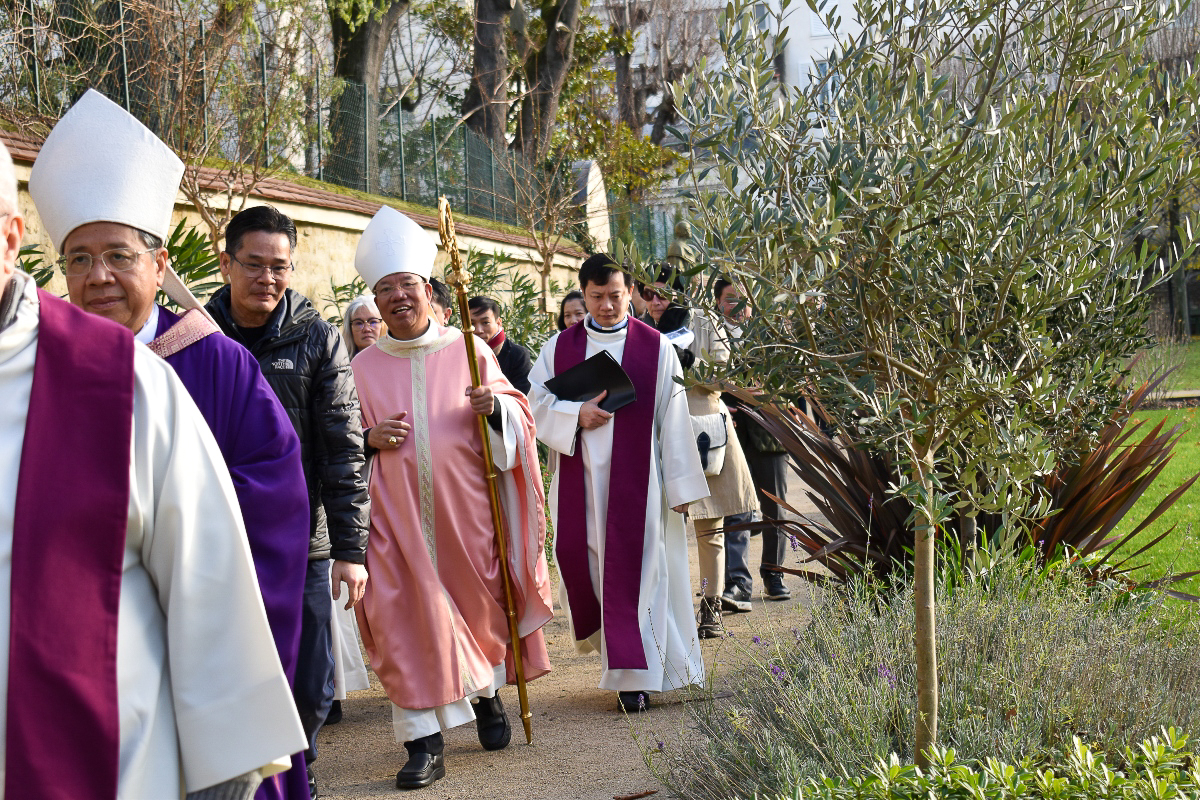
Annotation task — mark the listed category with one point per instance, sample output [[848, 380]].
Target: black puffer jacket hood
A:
[[304, 360]]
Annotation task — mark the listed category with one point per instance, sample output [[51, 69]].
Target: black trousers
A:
[[313, 688], [769, 473]]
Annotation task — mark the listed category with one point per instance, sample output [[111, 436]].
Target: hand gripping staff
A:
[[458, 278]]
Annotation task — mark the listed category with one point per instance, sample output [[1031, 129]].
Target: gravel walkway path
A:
[[584, 749]]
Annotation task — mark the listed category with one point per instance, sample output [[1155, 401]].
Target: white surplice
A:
[[201, 695], [666, 616]]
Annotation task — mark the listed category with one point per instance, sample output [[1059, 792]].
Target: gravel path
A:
[[584, 749]]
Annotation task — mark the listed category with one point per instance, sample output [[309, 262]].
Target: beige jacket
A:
[[732, 491]]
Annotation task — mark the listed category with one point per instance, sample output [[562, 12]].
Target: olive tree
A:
[[944, 237]]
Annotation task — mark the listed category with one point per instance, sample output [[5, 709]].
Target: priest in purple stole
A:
[[134, 647], [621, 484], [114, 269]]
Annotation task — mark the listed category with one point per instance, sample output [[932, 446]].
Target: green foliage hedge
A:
[[1159, 768]]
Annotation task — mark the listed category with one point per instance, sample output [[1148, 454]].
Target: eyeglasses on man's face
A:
[[409, 287], [120, 259], [359, 324], [279, 272]]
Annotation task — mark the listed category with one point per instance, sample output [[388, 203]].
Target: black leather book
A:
[[589, 378]]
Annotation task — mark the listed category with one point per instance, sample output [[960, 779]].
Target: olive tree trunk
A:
[[924, 558]]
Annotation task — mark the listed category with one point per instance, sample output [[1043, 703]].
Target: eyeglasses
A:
[[650, 294], [257, 270], [408, 287], [119, 260], [359, 324]]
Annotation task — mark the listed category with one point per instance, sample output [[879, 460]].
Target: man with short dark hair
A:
[[488, 325], [622, 482], [304, 360], [768, 469]]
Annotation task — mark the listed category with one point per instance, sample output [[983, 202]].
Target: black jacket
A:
[[304, 360], [515, 364]]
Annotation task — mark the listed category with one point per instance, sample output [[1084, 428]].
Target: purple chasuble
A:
[[262, 452], [63, 728], [625, 531]]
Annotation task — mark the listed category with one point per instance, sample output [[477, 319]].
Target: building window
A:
[[829, 85]]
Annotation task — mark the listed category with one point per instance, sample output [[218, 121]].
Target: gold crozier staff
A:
[[457, 277]]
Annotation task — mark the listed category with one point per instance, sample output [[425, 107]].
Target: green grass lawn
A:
[[1189, 373], [1180, 551]]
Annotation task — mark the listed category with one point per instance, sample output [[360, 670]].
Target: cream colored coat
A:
[[732, 491]]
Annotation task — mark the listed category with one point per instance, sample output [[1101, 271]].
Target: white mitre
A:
[[393, 243], [100, 164]]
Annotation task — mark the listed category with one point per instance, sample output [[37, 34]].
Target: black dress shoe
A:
[[421, 770], [773, 587], [335, 713], [491, 722], [633, 702], [736, 600]]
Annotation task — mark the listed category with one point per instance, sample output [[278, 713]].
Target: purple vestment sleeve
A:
[[262, 452], [63, 728], [625, 530]]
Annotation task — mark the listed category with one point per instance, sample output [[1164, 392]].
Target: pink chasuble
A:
[[433, 619], [63, 732], [616, 610]]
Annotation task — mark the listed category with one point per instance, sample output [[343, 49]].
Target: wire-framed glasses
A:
[[256, 270], [120, 259]]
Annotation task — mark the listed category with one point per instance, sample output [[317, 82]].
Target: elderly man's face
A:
[[404, 303], [111, 273]]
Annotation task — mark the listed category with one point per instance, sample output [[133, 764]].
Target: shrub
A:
[[1157, 768], [1028, 660]]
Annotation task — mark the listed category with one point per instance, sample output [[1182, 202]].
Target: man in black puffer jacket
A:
[[304, 360]]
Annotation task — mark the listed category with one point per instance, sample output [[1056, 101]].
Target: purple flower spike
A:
[[756, 639], [886, 674], [777, 670]]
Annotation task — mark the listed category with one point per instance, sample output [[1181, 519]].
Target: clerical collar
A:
[[409, 347], [146, 334], [591, 323]]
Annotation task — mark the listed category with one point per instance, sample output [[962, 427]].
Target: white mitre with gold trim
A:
[[100, 164], [393, 243]]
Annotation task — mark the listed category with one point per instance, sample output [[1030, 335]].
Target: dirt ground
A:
[[583, 748]]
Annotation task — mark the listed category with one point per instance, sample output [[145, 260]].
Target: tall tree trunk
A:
[[622, 27], [354, 114], [545, 73], [486, 103], [924, 557], [1179, 278]]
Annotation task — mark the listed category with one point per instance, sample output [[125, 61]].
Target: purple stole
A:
[[625, 532], [63, 731]]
